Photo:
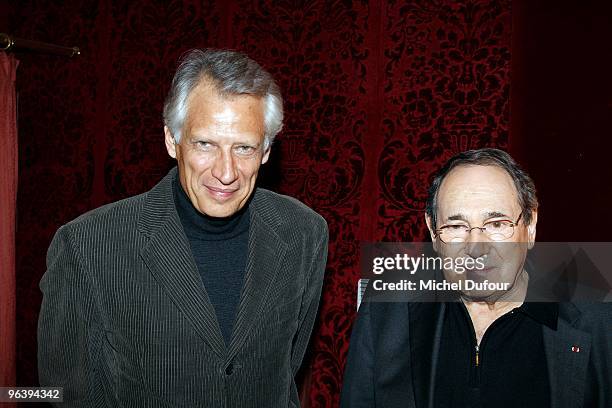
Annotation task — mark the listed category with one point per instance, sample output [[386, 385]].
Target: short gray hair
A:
[[525, 186], [231, 73]]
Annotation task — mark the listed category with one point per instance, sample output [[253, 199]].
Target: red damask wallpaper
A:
[[377, 95]]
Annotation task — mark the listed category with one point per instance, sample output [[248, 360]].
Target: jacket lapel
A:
[[266, 251], [168, 256], [425, 335], [567, 354]]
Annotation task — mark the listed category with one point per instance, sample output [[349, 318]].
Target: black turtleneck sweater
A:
[[219, 247]]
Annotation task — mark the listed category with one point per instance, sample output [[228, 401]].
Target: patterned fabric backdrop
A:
[[377, 95]]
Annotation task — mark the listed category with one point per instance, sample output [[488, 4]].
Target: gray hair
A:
[[487, 157], [231, 73]]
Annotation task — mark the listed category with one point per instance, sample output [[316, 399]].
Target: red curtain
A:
[[8, 197], [378, 94]]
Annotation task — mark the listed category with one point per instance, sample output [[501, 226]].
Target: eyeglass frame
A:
[[482, 229]]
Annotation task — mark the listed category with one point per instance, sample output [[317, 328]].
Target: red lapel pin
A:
[[576, 349]]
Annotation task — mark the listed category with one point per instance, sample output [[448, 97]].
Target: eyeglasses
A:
[[496, 230]]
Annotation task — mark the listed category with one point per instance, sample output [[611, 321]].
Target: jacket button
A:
[[229, 369]]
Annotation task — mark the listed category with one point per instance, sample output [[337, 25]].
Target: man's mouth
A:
[[221, 193], [480, 273]]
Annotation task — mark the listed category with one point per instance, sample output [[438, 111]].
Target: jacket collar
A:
[[426, 323], [168, 256], [545, 313], [567, 354]]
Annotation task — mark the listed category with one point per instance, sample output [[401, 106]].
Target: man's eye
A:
[[497, 224], [245, 149], [203, 145], [455, 227]]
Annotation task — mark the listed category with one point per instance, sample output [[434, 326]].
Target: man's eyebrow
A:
[[496, 214], [490, 214], [457, 217]]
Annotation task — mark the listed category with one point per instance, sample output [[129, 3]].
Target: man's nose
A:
[[476, 244], [224, 168]]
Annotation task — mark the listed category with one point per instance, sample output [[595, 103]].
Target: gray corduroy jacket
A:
[[126, 322]]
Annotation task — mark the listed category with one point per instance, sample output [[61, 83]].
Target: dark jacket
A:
[[126, 321], [394, 348]]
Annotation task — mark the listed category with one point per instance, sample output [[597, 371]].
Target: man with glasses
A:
[[489, 347]]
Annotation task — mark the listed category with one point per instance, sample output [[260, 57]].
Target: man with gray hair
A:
[[203, 291]]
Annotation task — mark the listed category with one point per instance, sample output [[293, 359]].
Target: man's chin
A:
[[481, 296], [224, 212], [218, 210], [507, 294]]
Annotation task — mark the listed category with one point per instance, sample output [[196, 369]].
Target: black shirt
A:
[[508, 368], [220, 248]]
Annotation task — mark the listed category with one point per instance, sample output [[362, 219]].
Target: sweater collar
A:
[[200, 226]]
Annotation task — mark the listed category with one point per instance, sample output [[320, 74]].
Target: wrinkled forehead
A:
[[207, 107], [476, 191], [206, 96]]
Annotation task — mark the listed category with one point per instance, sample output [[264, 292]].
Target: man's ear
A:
[[170, 142], [266, 155], [432, 231], [531, 228]]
